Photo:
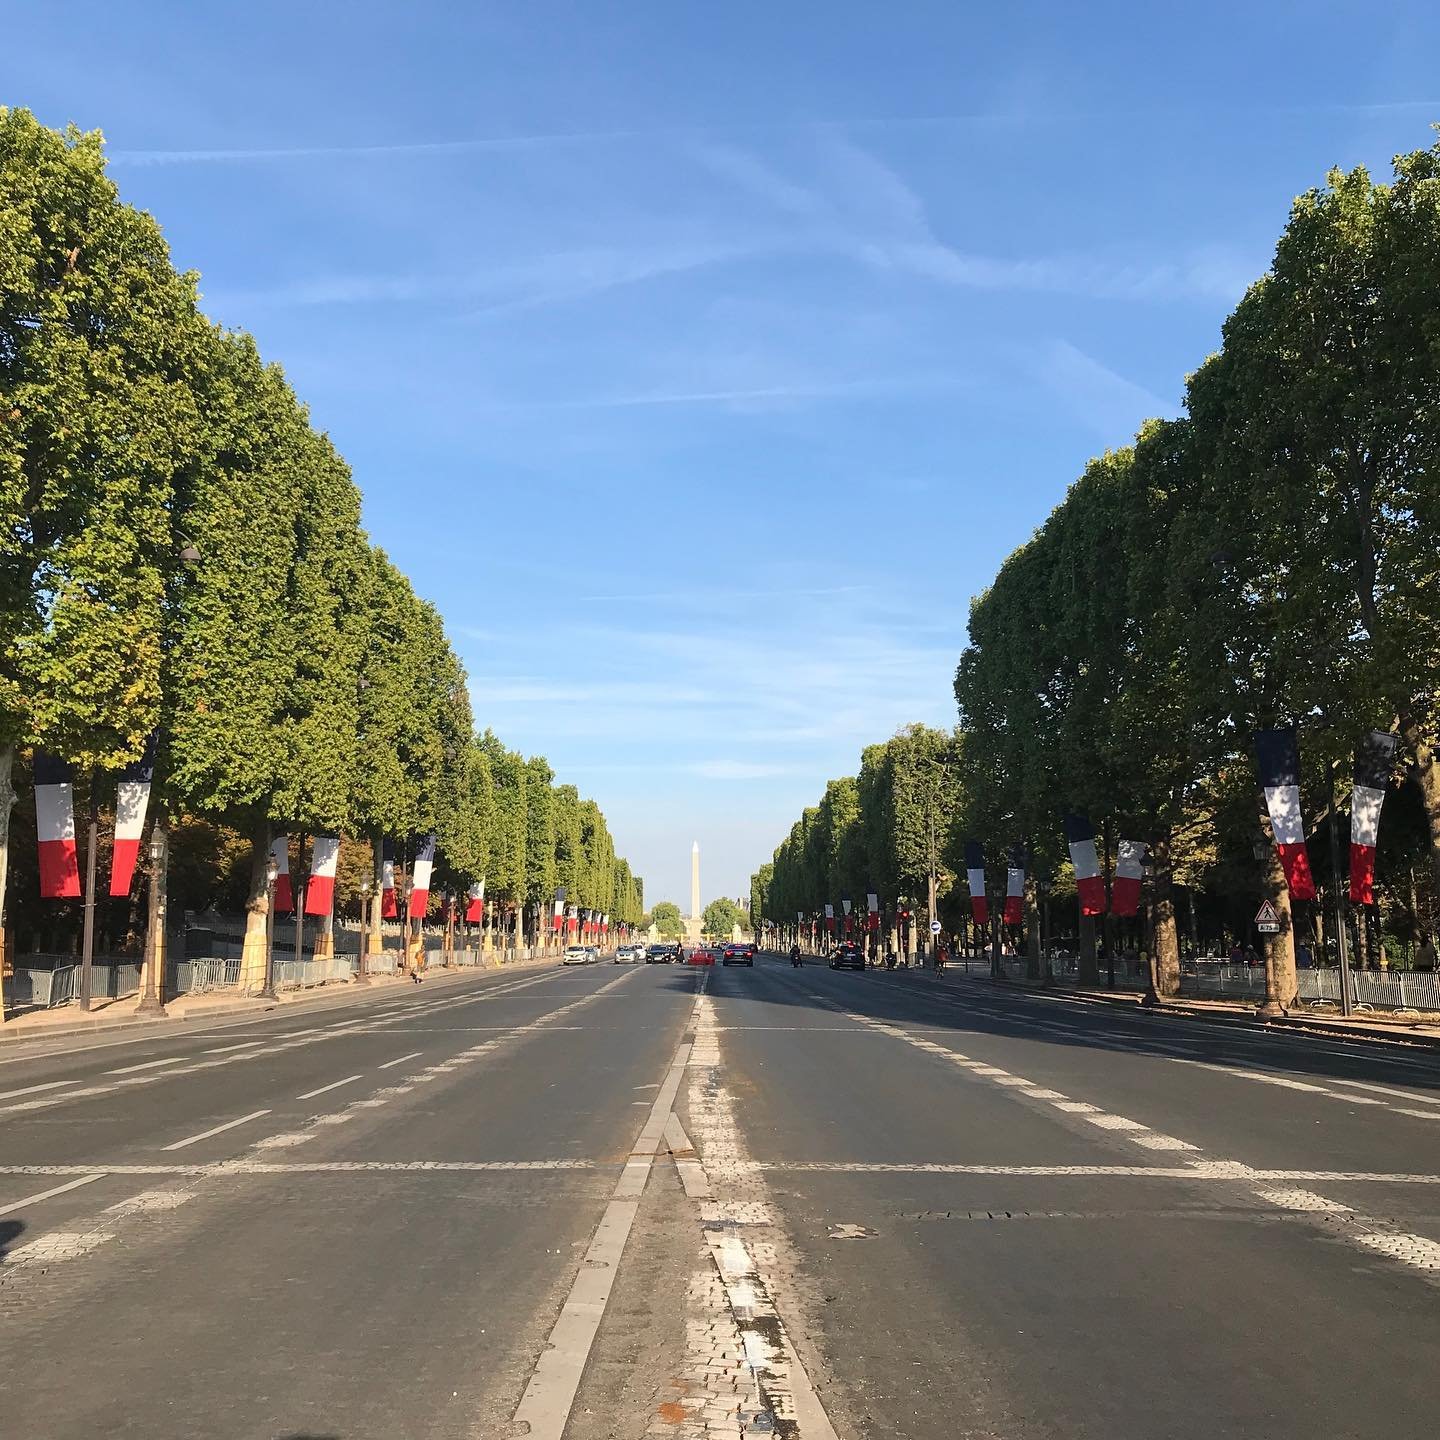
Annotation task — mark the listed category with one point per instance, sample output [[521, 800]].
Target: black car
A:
[[847, 956], [739, 955], [660, 954]]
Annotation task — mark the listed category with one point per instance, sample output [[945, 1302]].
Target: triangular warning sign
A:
[[1267, 915]]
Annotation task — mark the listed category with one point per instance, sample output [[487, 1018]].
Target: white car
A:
[[629, 955], [577, 955]]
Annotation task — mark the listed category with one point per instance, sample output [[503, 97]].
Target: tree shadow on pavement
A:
[[977, 1006], [10, 1230]]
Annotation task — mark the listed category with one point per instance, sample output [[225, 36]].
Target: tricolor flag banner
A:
[[1015, 887], [420, 878], [572, 917], [55, 828], [320, 892], [1279, 755], [845, 906], [975, 874], [389, 910], [557, 915], [1080, 836], [132, 799], [1125, 888], [872, 909], [830, 919], [1373, 761], [476, 908], [284, 894]]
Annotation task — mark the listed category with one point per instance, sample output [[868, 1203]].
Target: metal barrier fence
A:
[[1372, 989], [299, 974], [55, 980]]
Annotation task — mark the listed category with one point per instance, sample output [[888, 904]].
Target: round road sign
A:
[[934, 927]]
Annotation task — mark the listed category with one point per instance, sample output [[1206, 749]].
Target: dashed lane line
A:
[[54, 1190], [149, 1065], [400, 1060], [1376, 1235], [333, 1085], [286, 1040], [215, 1130], [36, 1089]]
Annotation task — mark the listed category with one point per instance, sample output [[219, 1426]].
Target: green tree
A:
[[721, 916], [665, 917], [98, 337]]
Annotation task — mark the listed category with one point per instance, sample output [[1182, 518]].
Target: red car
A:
[[701, 955]]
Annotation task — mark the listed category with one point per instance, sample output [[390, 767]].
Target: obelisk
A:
[[694, 925]]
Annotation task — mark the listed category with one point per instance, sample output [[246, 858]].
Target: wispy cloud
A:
[[499, 144], [1094, 394], [565, 274]]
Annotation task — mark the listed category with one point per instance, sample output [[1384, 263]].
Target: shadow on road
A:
[[972, 1005], [10, 1231]]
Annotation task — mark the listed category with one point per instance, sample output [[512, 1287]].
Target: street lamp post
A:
[[362, 968], [152, 998], [272, 871]]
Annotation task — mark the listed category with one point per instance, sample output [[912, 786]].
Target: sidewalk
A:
[[115, 1015], [1373, 1026]]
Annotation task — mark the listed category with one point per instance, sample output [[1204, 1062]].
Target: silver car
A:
[[577, 955]]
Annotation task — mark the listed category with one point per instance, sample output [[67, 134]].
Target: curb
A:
[[1301, 1024], [227, 1009]]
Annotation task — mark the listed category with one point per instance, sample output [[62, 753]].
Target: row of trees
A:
[[181, 555], [890, 831], [1270, 558]]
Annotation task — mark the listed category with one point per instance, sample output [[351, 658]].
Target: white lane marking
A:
[[411, 1056], [1418, 1114], [148, 1065], [35, 1089], [1389, 1090], [1417, 1251], [333, 1085], [216, 1130], [148, 1202], [282, 1142], [59, 1245], [54, 1190], [776, 1377], [1376, 1235], [226, 1049], [1292, 1199], [1162, 1142], [545, 1405]]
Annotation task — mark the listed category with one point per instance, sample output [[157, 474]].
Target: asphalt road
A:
[[620, 1201]]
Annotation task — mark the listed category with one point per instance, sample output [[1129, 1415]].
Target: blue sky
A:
[[702, 361]]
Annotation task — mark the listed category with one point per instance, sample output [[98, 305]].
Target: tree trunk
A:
[[375, 939], [1427, 777], [1166, 938], [1032, 932], [1089, 966], [257, 908], [7, 803], [1279, 948]]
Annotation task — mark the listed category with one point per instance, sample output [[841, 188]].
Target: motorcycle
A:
[[796, 959]]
